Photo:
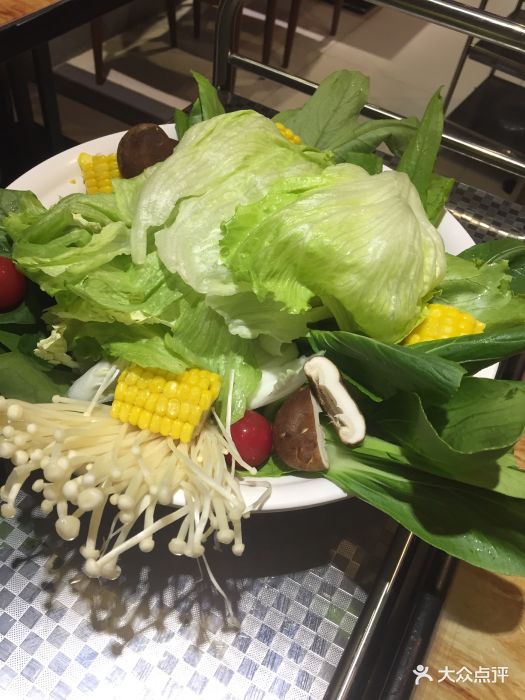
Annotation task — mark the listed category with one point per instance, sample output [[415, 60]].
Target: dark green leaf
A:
[[479, 350], [22, 377], [367, 136], [368, 161], [328, 119], [419, 158], [386, 369], [482, 415], [21, 316], [182, 122], [273, 468], [195, 113], [437, 196], [210, 104], [404, 421], [483, 528]]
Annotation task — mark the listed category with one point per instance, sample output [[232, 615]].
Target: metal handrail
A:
[[468, 20], [449, 14]]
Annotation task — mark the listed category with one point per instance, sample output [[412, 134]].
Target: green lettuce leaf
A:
[[220, 163], [510, 250], [483, 289], [18, 210], [70, 240], [325, 237]]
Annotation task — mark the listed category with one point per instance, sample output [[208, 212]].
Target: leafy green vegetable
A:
[[437, 196], [329, 117], [419, 158], [181, 120], [484, 528], [370, 162], [206, 106], [28, 379], [387, 369], [510, 250], [17, 210], [367, 136], [474, 352], [482, 415], [329, 120], [326, 236], [449, 449], [484, 290], [220, 163]]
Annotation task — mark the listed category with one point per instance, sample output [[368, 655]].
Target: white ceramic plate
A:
[[60, 176]]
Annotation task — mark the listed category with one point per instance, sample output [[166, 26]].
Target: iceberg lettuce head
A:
[[360, 244]]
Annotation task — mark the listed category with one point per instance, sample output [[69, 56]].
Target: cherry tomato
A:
[[12, 285], [252, 435]]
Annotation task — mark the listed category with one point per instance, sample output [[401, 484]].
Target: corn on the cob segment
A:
[[288, 133], [444, 321], [170, 404], [98, 171]]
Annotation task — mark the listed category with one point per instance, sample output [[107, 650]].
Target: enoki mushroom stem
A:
[[91, 462]]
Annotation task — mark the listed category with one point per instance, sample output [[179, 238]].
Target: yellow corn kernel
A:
[[173, 405], [288, 133], [134, 414], [176, 431], [144, 420], [98, 171], [444, 321], [173, 409], [154, 425], [115, 408], [165, 426], [186, 432]]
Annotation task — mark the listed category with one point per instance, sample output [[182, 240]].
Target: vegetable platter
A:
[[260, 316]]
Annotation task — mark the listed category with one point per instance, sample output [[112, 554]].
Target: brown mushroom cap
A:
[[297, 436], [142, 146]]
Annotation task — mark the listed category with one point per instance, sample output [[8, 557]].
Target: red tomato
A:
[[12, 285], [252, 436]]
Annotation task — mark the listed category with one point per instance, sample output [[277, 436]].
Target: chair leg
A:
[[196, 18], [338, 4], [96, 27], [172, 20], [271, 8], [293, 19]]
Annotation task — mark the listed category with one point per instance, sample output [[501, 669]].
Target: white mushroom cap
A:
[[335, 400]]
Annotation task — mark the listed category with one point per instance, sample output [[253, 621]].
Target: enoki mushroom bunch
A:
[[90, 462]]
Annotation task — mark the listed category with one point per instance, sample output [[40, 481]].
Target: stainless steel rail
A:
[[449, 14], [469, 20]]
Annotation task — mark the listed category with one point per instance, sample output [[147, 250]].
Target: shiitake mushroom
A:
[[142, 146], [298, 439]]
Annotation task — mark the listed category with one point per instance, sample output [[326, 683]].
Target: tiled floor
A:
[[406, 58]]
